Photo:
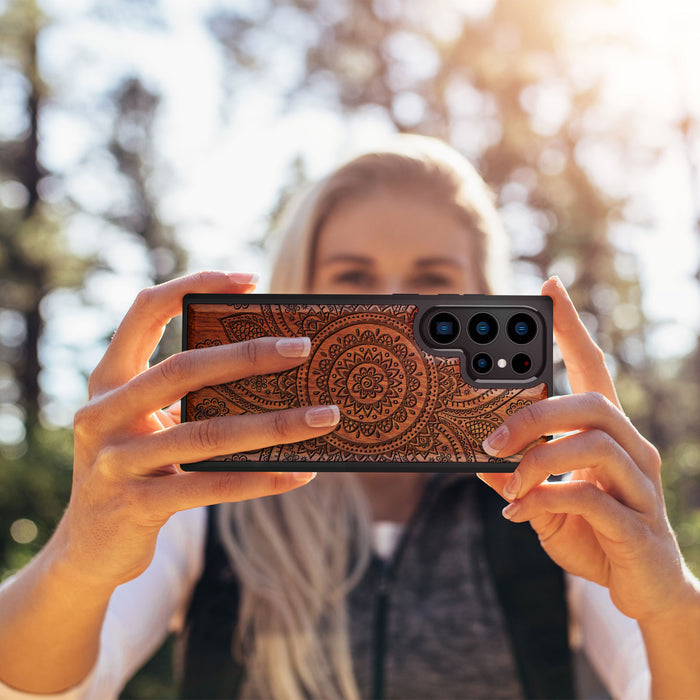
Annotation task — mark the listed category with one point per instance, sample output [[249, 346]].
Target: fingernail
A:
[[511, 510], [512, 488], [303, 476], [495, 441], [559, 284], [293, 347], [243, 277], [322, 416]]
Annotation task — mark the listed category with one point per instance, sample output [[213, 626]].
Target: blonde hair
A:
[[297, 555]]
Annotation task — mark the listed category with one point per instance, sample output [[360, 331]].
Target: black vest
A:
[[530, 589]]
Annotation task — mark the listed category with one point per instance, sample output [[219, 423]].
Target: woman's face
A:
[[393, 243]]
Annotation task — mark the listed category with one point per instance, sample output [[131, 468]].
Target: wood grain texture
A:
[[397, 402]]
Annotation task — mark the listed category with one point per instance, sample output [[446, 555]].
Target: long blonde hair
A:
[[298, 554]]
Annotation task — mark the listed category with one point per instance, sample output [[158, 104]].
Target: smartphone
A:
[[420, 380]]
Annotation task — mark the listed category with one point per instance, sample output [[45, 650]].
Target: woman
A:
[[417, 220]]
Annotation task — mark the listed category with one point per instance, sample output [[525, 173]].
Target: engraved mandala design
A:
[[366, 383], [367, 365]]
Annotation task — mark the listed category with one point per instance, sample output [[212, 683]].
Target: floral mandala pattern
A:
[[368, 366], [367, 383]]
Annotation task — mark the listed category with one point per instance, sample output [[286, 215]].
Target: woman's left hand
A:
[[608, 523]]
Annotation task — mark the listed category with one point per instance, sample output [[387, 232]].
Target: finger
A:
[[187, 371], [592, 450], [206, 439], [563, 414], [584, 360], [172, 414], [176, 492], [142, 327], [496, 480], [607, 516]]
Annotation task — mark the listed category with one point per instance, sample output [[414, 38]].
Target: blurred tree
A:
[[34, 260], [33, 255], [132, 146], [37, 207]]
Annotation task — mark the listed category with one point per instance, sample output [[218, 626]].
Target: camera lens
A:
[[482, 363], [444, 328], [482, 328], [522, 363], [522, 328]]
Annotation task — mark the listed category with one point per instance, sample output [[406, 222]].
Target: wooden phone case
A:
[[403, 406]]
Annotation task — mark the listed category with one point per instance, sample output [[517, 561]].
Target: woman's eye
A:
[[354, 277]]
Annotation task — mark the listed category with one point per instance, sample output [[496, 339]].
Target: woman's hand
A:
[[608, 523], [126, 480]]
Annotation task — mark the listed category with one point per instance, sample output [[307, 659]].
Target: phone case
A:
[[404, 405]]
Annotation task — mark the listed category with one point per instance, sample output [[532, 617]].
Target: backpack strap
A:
[[531, 590], [205, 666]]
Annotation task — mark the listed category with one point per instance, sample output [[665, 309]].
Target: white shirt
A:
[[142, 612]]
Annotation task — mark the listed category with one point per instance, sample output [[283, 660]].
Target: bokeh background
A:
[[142, 139]]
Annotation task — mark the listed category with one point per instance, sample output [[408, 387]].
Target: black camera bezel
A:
[[503, 346], [478, 318], [476, 357], [435, 319], [513, 335]]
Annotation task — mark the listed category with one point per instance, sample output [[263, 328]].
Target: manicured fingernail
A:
[[243, 277], [303, 476], [511, 510], [512, 488], [495, 441], [559, 284], [293, 347], [322, 416]]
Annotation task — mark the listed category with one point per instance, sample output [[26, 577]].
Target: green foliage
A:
[[156, 679], [35, 481], [681, 477]]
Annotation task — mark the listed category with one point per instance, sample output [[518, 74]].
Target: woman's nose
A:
[[391, 285]]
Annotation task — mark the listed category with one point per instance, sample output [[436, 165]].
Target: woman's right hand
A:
[[126, 476]]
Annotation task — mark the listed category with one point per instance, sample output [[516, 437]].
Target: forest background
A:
[[142, 139]]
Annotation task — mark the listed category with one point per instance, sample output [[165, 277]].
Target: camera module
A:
[[444, 328], [483, 328], [522, 363], [482, 363], [522, 328]]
